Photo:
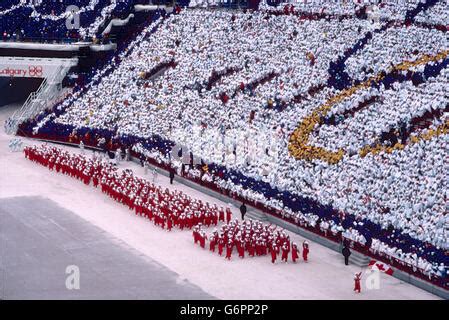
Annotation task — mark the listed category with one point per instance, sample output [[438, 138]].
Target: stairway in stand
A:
[[256, 215], [358, 259]]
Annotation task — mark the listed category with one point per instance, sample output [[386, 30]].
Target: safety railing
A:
[[47, 93]]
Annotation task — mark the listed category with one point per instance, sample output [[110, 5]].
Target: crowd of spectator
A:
[[40, 20], [232, 87]]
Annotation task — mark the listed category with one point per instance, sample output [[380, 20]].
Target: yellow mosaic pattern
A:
[[298, 144]]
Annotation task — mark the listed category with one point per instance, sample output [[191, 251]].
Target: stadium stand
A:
[[46, 21], [314, 114]]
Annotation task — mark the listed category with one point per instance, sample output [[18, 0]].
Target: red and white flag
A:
[[382, 267]]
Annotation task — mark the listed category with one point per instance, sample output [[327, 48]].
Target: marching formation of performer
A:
[[168, 209], [250, 236], [165, 208]]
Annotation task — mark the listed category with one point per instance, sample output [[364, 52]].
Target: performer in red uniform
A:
[[169, 223], [284, 252], [357, 278], [221, 245], [274, 252], [212, 243], [305, 250], [195, 235], [241, 249], [229, 250], [203, 238], [228, 215], [295, 252], [252, 248]]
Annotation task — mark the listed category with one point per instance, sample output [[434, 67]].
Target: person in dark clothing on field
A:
[[172, 175], [191, 160], [243, 210], [183, 169], [346, 253]]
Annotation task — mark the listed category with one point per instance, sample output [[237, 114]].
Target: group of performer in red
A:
[[165, 208], [175, 209], [61, 161], [253, 237], [168, 209]]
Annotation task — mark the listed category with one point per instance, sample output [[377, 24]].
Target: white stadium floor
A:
[[182, 262]]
